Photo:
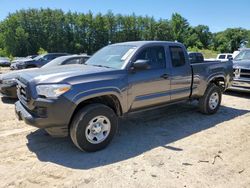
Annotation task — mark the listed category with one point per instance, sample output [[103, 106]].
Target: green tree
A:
[[230, 39], [26, 31], [180, 28], [41, 51], [164, 31]]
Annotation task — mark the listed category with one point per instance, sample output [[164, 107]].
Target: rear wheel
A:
[[93, 127], [211, 100]]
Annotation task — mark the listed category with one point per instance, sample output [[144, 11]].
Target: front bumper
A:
[[8, 91], [47, 114], [241, 85]]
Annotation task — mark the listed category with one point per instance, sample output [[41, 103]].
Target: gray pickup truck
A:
[[87, 100]]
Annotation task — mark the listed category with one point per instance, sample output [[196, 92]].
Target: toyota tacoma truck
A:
[[86, 101]]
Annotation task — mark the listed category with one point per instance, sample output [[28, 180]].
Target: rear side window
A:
[[177, 56], [73, 61], [83, 60], [155, 55], [200, 58]]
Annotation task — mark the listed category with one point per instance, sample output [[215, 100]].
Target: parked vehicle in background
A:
[[241, 66], [8, 80], [235, 53], [86, 100], [67, 60], [224, 56], [38, 61], [32, 56], [195, 57], [17, 60], [4, 62]]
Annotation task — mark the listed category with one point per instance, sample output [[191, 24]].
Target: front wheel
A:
[[211, 100], [93, 127]]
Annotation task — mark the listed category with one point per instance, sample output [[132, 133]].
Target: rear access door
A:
[[181, 73]]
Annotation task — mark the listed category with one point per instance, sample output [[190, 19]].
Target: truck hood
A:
[[62, 73], [244, 64]]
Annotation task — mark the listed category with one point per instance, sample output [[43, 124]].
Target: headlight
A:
[[52, 91], [9, 81]]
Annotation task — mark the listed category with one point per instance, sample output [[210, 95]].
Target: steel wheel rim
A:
[[98, 129], [214, 100]]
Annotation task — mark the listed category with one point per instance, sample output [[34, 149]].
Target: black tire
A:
[[81, 121], [204, 106]]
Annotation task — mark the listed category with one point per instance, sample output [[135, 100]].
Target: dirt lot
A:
[[173, 147]]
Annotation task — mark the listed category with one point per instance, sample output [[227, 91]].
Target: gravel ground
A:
[[170, 147], [4, 70]]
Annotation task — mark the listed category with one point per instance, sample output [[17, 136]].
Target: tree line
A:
[[26, 31]]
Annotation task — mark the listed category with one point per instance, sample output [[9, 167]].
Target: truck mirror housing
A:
[[141, 64]]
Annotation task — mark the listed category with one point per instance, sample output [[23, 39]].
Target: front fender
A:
[[98, 92]]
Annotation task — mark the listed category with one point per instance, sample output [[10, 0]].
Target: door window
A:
[[155, 56], [222, 57], [177, 56]]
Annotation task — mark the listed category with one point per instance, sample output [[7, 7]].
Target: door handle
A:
[[164, 76]]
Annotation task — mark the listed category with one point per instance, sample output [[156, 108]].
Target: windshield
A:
[[243, 55], [111, 56], [38, 57], [55, 62]]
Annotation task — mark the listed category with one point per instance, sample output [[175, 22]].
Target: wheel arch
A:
[[111, 100], [218, 80]]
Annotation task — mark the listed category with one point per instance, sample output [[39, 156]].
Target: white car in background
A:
[[224, 56], [236, 53]]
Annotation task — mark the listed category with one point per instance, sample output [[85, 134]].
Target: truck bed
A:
[[203, 72]]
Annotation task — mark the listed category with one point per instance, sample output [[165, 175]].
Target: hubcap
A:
[[214, 100], [98, 129]]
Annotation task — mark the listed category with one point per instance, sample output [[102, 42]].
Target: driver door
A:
[[151, 86]]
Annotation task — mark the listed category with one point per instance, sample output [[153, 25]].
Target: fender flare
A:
[[99, 92]]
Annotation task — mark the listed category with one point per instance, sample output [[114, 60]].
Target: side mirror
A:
[[141, 64], [230, 58]]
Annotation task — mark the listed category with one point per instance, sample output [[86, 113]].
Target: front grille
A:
[[22, 92], [242, 73], [245, 73]]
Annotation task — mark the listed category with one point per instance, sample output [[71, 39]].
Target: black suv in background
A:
[[195, 57], [38, 61]]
